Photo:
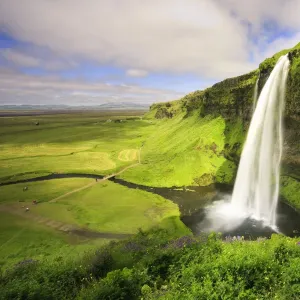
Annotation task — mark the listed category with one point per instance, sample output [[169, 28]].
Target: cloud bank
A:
[[211, 39]]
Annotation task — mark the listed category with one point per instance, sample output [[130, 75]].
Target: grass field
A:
[[129, 155], [104, 207], [21, 239], [174, 152], [64, 144], [42, 191], [171, 152]]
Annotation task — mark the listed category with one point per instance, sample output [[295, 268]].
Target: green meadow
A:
[[103, 206], [173, 152], [21, 239], [66, 144], [89, 143]]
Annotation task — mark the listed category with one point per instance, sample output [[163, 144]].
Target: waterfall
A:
[[255, 94], [256, 187]]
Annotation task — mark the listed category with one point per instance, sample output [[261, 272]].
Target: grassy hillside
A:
[[177, 151], [226, 108], [183, 151], [153, 265]]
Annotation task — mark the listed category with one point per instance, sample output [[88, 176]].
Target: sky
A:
[[89, 52]]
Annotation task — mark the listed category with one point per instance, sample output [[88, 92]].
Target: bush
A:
[[119, 284], [153, 265], [101, 263]]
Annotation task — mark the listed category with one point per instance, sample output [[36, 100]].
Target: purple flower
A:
[[181, 242]]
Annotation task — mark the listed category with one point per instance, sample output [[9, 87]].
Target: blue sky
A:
[[74, 52]]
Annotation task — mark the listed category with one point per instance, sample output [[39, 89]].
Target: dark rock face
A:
[[163, 112], [232, 97]]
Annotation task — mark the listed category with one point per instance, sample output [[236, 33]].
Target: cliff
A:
[[232, 101]]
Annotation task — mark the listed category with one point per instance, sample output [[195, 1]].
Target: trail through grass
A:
[[103, 211]]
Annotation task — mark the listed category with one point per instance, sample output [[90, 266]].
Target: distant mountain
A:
[[123, 105], [105, 106], [32, 107]]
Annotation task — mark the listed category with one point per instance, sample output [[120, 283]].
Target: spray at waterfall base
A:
[[256, 188]]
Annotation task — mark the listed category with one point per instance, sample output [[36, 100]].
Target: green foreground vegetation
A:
[[194, 141], [153, 265]]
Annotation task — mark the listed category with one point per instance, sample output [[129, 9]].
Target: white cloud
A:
[[19, 58], [257, 12], [280, 44], [208, 38], [28, 89], [161, 36], [33, 58], [136, 73]]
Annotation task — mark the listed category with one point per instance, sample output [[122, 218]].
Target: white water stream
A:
[[256, 187], [255, 95]]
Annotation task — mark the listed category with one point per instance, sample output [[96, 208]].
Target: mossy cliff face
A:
[[232, 100]]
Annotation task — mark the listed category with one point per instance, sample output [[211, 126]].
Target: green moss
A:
[[204, 180], [166, 109], [290, 190], [269, 63], [226, 173]]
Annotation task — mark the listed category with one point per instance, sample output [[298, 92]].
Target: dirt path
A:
[[64, 227], [98, 181], [60, 226]]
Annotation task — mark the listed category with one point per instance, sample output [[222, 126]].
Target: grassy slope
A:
[[181, 150], [21, 239], [153, 265]]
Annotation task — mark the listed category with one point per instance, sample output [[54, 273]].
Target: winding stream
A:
[[193, 203]]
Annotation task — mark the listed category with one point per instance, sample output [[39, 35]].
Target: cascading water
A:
[[255, 94], [256, 187]]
